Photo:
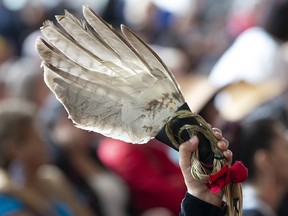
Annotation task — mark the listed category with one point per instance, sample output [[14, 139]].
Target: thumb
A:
[[185, 152]]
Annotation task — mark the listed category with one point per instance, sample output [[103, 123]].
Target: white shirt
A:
[[252, 201], [254, 57]]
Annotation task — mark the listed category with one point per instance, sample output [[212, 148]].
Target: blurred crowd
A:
[[230, 58]]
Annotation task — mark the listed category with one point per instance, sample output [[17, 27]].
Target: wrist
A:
[[207, 196], [192, 205]]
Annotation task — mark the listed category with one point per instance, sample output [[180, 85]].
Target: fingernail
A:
[[218, 134], [193, 139]]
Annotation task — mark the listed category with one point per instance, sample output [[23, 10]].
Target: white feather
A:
[[110, 84]]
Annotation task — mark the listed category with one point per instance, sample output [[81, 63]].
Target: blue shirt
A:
[[10, 205]]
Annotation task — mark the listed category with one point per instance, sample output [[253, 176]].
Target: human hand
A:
[[195, 187]]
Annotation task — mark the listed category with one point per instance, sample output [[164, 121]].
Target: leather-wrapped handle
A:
[[206, 155]]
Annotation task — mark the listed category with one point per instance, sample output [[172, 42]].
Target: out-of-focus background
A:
[[200, 30], [230, 58]]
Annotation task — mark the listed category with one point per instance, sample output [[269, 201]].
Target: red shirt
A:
[[154, 179]]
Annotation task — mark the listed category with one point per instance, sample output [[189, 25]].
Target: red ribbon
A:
[[235, 174]]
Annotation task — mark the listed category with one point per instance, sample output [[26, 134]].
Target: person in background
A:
[[256, 55], [155, 181], [262, 145], [29, 184], [22, 78], [75, 153]]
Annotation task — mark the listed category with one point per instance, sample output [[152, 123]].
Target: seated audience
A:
[[76, 156], [29, 185]]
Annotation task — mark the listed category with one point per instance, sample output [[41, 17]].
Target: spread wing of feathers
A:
[[108, 82]]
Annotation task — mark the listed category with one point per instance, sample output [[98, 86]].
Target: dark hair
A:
[[251, 137], [16, 117], [276, 21]]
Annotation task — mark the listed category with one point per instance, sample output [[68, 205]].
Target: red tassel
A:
[[236, 174]]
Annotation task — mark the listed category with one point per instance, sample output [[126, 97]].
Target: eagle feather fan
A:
[[117, 86], [108, 84]]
